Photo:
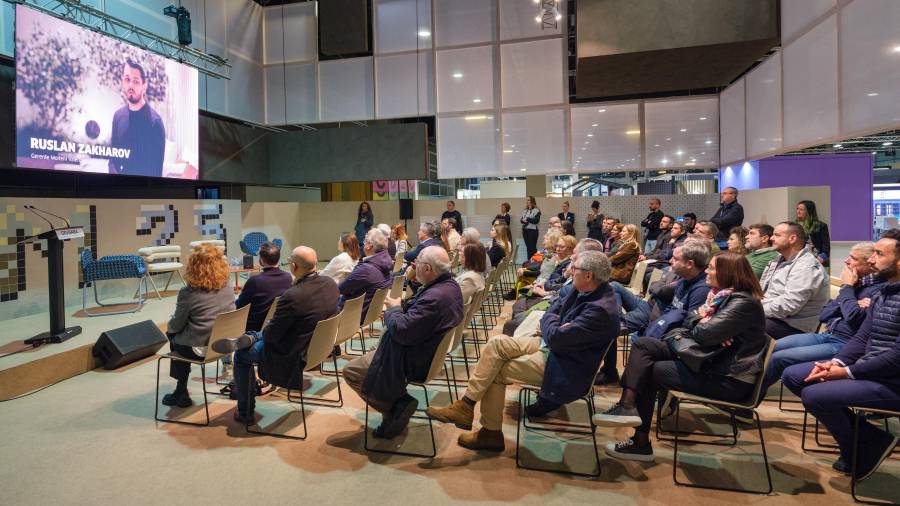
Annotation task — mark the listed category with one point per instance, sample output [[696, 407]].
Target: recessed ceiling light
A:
[[896, 49], [664, 161], [537, 19], [838, 146], [476, 118], [668, 138], [595, 125], [656, 145], [873, 94], [457, 75], [507, 151], [523, 170], [887, 143], [702, 118], [601, 110], [703, 152], [873, 152], [709, 142], [583, 149], [587, 142], [476, 100], [590, 135], [690, 164], [632, 132], [679, 152], [424, 33], [558, 17], [683, 130]]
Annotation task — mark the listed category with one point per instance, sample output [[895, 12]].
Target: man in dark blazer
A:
[[563, 358], [259, 291], [413, 331], [429, 235], [280, 350], [729, 215]]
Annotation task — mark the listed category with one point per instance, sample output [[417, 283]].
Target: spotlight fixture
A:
[[182, 21]]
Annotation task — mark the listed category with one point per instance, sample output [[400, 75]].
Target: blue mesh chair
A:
[[252, 241], [109, 268]]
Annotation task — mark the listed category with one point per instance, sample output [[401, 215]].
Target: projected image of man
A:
[[137, 127]]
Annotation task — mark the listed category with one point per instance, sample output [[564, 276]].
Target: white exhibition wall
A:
[[836, 77]]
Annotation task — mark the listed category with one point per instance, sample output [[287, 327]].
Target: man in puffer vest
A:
[[865, 373]]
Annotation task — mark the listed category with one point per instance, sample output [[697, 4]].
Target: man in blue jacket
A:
[[429, 235], [371, 273], [413, 330], [689, 263], [842, 317], [563, 358], [259, 291], [865, 373], [729, 215]]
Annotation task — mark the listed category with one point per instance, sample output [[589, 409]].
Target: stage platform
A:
[[23, 368]]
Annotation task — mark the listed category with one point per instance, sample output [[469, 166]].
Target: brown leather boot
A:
[[459, 413], [483, 439]]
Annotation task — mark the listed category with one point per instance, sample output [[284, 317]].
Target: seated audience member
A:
[[759, 247], [449, 236], [690, 221], [736, 240], [729, 215], [398, 234], [625, 257], [540, 266], [470, 280], [665, 229], [429, 235], [259, 291], [280, 350], [564, 249], [470, 235], [842, 316], [731, 317], [370, 274], [595, 222], [708, 231], [665, 248], [341, 265], [568, 228], [816, 230], [500, 247], [413, 331], [795, 284], [392, 246], [865, 373], [563, 358], [689, 263], [555, 222], [206, 295], [610, 234]]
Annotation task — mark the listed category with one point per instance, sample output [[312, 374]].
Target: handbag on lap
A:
[[689, 351]]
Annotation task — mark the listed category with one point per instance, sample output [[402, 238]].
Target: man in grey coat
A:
[[795, 285]]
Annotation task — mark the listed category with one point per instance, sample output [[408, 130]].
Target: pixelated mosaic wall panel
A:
[[12, 253], [159, 221], [208, 221]]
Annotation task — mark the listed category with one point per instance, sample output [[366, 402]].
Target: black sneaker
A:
[[397, 419], [180, 399], [841, 466], [869, 460], [617, 416], [540, 408], [628, 450]]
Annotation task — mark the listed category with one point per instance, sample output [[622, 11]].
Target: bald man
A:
[[281, 347], [413, 331]]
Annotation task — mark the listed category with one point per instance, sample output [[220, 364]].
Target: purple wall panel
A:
[[850, 177]]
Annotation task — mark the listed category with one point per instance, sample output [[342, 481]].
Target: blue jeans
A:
[[637, 310], [243, 371], [649, 244], [800, 348]]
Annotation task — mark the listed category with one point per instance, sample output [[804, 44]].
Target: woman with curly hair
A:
[[206, 295]]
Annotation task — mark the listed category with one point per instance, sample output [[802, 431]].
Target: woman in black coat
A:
[[729, 330], [816, 230]]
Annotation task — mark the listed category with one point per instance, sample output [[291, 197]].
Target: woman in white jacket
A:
[[472, 258], [340, 266]]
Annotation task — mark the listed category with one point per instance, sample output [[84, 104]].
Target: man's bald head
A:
[[431, 263], [304, 260]]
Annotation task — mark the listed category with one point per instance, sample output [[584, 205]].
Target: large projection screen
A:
[[86, 102]]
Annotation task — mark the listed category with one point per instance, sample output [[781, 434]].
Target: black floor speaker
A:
[[124, 345]]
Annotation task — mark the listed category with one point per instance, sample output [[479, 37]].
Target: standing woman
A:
[[626, 255], [816, 230], [595, 222], [364, 221], [531, 217], [565, 215]]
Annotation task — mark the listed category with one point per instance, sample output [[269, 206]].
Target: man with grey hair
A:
[[472, 235], [429, 235], [413, 330], [729, 215], [841, 317], [562, 358], [371, 273]]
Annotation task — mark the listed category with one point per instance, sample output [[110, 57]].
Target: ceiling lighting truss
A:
[[883, 142], [73, 11]]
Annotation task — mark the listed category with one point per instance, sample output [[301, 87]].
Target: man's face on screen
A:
[[133, 87]]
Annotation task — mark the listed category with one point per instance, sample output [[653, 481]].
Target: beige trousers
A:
[[504, 360]]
